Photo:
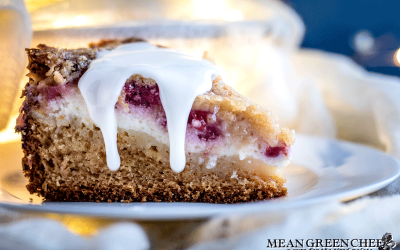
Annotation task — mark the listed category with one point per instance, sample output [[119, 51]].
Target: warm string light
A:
[[76, 21], [81, 225], [396, 57], [215, 9], [199, 9], [33, 5]]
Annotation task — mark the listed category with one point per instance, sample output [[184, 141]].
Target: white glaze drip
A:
[[180, 78]]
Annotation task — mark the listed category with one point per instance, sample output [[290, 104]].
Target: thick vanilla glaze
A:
[[180, 78]]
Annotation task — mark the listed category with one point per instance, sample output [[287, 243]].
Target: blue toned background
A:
[[366, 30]]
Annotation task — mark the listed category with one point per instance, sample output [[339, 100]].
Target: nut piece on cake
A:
[[234, 148]]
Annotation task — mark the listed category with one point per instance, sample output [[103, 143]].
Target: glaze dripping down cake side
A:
[[234, 148]]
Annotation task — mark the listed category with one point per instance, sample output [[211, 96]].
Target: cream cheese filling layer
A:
[[72, 106]]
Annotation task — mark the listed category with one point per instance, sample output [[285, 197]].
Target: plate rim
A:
[[252, 207]]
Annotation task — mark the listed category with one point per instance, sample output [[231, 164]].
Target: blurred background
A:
[[366, 30]]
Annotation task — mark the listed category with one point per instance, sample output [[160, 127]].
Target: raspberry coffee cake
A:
[[128, 121]]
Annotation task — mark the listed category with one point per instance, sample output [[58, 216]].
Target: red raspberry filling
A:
[[139, 95], [204, 122], [275, 151], [52, 92]]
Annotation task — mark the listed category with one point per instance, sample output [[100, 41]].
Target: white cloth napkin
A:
[[311, 91]]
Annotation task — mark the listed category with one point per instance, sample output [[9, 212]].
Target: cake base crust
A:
[[68, 163]]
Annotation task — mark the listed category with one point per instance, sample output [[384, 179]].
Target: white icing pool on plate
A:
[[180, 78]]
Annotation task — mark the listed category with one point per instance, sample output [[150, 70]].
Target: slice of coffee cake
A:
[[234, 148]]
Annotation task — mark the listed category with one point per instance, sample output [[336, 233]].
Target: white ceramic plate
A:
[[321, 170]]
